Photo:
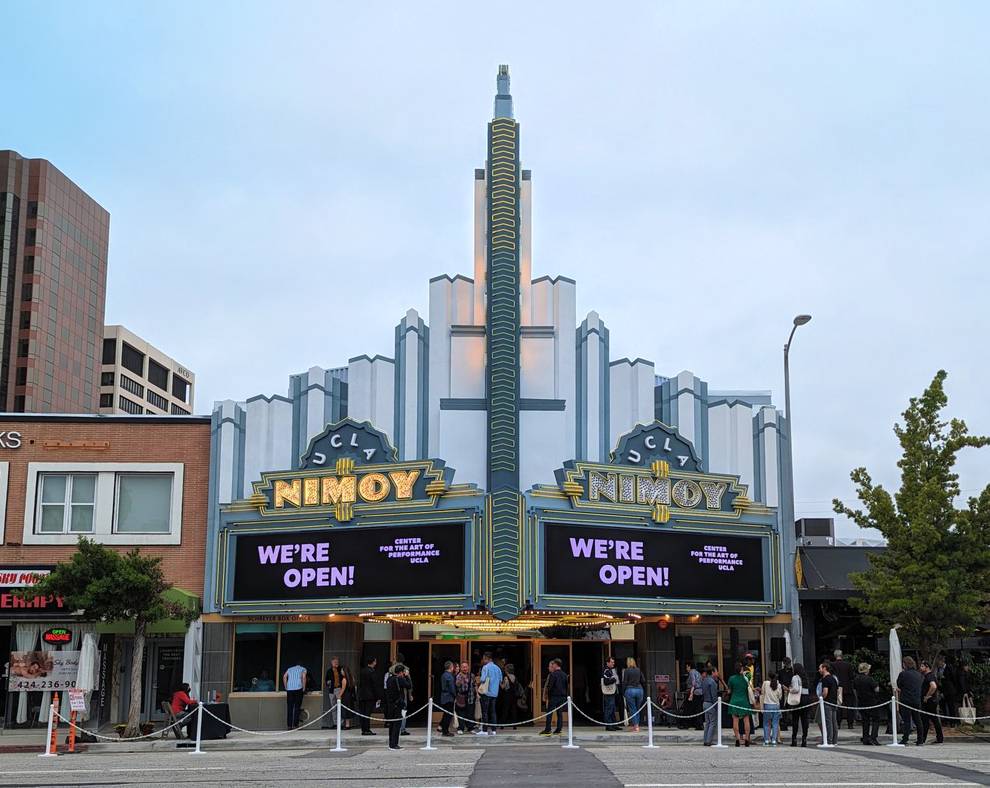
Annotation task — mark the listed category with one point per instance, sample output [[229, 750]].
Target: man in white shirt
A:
[[294, 681]]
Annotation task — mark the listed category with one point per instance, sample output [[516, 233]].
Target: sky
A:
[[283, 180]]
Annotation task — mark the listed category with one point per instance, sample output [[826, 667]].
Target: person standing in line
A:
[[798, 698], [709, 702], [609, 682], [867, 694], [843, 672], [368, 695], [397, 689], [909, 684], [950, 693], [465, 699], [739, 706], [294, 681], [509, 693], [335, 683], [770, 696], [929, 704], [407, 687], [448, 694], [692, 703], [634, 691], [555, 695], [784, 676], [830, 694], [491, 678]]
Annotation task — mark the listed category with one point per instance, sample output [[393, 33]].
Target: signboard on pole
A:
[[43, 670], [77, 700]]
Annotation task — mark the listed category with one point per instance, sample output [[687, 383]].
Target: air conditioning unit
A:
[[815, 531]]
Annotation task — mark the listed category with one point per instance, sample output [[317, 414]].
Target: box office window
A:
[[263, 652], [723, 646], [67, 501], [144, 503]]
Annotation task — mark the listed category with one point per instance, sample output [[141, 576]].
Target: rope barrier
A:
[[152, 735], [383, 719], [475, 722], [624, 721], [942, 716]]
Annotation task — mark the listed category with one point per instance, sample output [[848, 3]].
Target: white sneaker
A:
[[492, 733], [460, 732], [481, 733]]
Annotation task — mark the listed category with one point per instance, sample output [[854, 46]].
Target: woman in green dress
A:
[[739, 706]]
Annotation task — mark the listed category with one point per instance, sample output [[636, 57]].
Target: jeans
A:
[[907, 717], [800, 718], [711, 721], [771, 721], [558, 703], [464, 714], [830, 725], [488, 718], [448, 716], [608, 707], [394, 728], [929, 718], [293, 706], [634, 699], [871, 725], [366, 707]]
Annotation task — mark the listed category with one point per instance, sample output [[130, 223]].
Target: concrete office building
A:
[[137, 378], [53, 271]]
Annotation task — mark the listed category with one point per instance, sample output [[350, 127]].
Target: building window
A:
[[33, 209], [132, 359], [106, 400], [19, 403], [106, 378], [180, 388], [25, 319], [177, 411], [158, 400], [22, 348], [157, 375], [31, 237], [29, 264], [255, 655], [67, 503], [22, 376], [144, 503], [26, 291], [131, 385], [109, 351], [129, 406]]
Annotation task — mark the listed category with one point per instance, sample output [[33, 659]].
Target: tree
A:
[[934, 577], [101, 584]]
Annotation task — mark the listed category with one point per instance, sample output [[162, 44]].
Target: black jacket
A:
[[448, 688], [368, 688], [557, 684], [866, 690], [843, 672], [395, 694]]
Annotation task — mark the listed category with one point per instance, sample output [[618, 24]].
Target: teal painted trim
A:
[[533, 403], [464, 403]]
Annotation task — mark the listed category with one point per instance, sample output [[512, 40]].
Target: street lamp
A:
[[797, 635]]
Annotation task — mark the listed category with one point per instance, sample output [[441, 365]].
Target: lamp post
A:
[[797, 636]]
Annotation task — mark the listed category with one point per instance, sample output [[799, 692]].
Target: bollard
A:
[[429, 726], [718, 723], [821, 711], [570, 726], [199, 729], [340, 715], [649, 726], [893, 722], [72, 731], [50, 736]]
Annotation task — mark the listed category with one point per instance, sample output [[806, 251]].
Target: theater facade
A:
[[498, 482]]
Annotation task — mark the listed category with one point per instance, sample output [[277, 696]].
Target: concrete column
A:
[[218, 640]]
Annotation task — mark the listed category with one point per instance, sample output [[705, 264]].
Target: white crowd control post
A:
[[893, 722], [821, 710], [199, 729], [649, 726], [429, 726], [340, 716], [718, 723], [570, 725], [48, 737]]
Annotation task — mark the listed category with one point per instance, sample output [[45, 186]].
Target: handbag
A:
[[483, 687], [751, 693], [967, 710], [793, 697]]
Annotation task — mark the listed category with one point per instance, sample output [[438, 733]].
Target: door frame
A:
[[152, 647]]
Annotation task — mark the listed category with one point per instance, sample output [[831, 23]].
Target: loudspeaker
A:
[[683, 648], [778, 649]]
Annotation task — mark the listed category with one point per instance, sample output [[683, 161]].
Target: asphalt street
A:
[[513, 764]]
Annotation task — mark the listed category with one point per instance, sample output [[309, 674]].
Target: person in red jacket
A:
[[183, 703]]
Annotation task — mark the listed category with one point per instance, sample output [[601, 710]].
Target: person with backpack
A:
[[508, 697], [609, 684]]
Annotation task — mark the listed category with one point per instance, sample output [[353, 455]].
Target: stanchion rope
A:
[[623, 721], [475, 722], [153, 734]]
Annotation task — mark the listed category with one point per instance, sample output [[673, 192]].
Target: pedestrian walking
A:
[[368, 695], [868, 694], [294, 681], [491, 678], [609, 684], [465, 699], [740, 705], [709, 702], [799, 700], [929, 704], [555, 696], [634, 691], [844, 674], [909, 684], [397, 689], [448, 694], [770, 696], [335, 684], [830, 694]]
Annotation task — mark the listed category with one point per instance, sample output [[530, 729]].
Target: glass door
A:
[[164, 675]]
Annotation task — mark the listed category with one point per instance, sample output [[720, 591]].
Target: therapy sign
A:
[[352, 562], [631, 562]]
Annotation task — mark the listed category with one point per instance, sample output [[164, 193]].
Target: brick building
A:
[[123, 481]]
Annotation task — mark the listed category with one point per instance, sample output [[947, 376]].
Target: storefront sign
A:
[[57, 636], [350, 562], [77, 700], [585, 561], [10, 440], [14, 606], [43, 670]]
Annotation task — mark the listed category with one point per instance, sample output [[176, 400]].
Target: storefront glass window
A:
[[144, 503], [302, 644], [736, 643], [255, 649]]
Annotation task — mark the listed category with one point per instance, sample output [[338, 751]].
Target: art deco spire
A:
[[503, 99]]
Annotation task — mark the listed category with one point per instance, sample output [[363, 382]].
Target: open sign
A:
[[57, 636]]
